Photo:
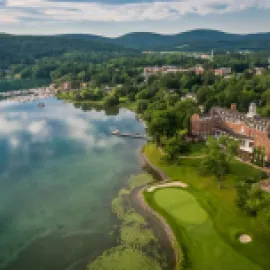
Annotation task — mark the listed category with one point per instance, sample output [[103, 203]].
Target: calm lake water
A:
[[60, 168]]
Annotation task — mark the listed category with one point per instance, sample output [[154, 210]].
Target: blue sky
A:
[[117, 17]]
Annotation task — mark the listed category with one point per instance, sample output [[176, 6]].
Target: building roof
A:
[[235, 115], [231, 133], [265, 185]]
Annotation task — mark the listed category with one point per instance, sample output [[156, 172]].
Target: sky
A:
[[116, 17]]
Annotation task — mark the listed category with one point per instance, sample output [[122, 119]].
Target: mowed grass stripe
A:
[[191, 223]]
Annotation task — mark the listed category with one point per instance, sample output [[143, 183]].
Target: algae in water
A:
[[138, 247]]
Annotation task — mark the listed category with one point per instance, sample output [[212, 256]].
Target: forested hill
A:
[[26, 49], [23, 49], [195, 40]]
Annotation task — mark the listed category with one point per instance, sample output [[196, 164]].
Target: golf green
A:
[[204, 247]]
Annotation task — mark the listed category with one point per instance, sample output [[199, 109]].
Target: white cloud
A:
[[7, 104], [81, 11], [78, 129], [8, 127], [14, 142], [82, 131], [37, 127], [76, 125]]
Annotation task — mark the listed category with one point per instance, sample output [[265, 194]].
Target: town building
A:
[[222, 72], [251, 130], [66, 86], [190, 96], [199, 70], [84, 85], [265, 185], [259, 71], [148, 71]]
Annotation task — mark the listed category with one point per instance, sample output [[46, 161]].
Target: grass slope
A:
[[227, 220], [206, 248]]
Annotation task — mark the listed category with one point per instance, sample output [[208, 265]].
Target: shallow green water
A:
[[59, 170]]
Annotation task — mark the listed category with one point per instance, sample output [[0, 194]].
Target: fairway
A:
[[204, 246]]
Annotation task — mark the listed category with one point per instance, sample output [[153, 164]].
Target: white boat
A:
[[116, 132]]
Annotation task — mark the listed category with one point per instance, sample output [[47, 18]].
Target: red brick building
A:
[[222, 72], [252, 130]]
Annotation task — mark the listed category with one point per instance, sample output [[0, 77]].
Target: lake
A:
[[60, 168]]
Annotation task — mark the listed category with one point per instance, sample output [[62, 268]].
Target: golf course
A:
[[205, 220]]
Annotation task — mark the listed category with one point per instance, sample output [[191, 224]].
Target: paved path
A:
[[168, 184]]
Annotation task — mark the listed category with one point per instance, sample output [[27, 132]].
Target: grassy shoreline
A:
[[138, 247], [227, 219], [139, 196], [100, 103]]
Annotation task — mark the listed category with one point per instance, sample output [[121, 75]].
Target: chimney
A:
[[233, 107], [252, 112]]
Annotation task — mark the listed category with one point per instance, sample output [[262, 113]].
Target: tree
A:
[[110, 101], [141, 106], [174, 147], [162, 123], [218, 157]]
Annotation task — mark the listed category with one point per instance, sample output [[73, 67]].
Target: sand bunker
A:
[[171, 184], [245, 238]]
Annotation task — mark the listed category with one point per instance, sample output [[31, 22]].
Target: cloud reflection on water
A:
[[74, 124], [55, 163]]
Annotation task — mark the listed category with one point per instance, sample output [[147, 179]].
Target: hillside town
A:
[[224, 72]]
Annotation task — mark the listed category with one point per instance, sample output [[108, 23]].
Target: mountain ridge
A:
[[210, 39], [192, 40]]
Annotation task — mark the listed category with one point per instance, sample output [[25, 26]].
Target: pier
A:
[[129, 135]]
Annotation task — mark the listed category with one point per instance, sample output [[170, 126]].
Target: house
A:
[[52, 86], [222, 72], [206, 56], [190, 96], [250, 129], [259, 71], [265, 185], [66, 86], [108, 89], [84, 85], [199, 70]]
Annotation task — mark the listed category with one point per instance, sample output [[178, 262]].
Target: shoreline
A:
[[156, 221], [161, 228]]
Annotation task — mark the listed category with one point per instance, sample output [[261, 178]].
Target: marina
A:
[[29, 95]]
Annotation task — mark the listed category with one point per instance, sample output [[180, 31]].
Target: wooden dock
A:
[[131, 135]]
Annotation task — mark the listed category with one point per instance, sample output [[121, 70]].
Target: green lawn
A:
[[206, 248], [224, 217], [197, 149]]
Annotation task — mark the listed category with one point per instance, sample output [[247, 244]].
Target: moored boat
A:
[[116, 132]]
